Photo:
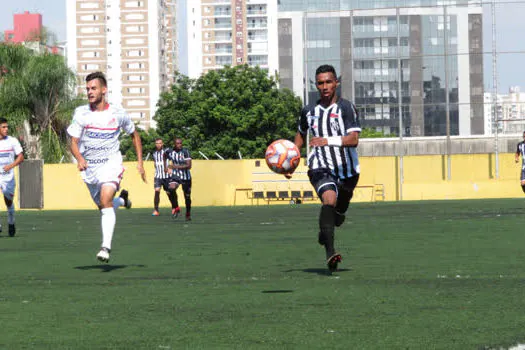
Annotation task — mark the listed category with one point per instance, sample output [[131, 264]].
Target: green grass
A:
[[415, 275]]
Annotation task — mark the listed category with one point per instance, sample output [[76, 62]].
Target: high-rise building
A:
[[133, 42], [27, 27], [510, 111], [216, 33], [419, 59]]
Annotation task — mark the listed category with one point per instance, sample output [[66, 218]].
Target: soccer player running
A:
[[333, 163], [161, 179], [520, 150], [94, 135], [180, 175], [10, 156]]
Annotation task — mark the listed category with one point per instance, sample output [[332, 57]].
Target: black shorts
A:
[[323, 180], [158, 183], [186, 184]]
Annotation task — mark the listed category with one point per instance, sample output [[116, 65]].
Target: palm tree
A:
[[37, 96]]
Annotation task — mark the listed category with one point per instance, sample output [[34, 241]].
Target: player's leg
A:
[[326, 187], [173, 184], [108, 218], [8, 189], [523, 178], [172, 196], [186, 189], [156, 199], [346, 192]]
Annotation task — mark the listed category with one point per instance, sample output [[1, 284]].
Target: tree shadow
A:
[[105, 267], [319, 271]]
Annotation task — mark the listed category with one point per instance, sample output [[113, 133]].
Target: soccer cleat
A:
[[155, 213], [339, 219], [125, 196], [188, 217], [103, 255], [333, 261], [175, 212], [12, 230]]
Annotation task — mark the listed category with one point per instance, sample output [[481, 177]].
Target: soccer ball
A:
[[282, 156]]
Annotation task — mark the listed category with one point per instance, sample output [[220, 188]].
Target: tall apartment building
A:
[[409, 53], [216, 33], [510, 110], [133, 42]]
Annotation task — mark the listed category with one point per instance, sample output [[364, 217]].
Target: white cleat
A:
[[103, 255]]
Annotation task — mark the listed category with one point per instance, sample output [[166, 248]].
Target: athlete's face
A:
[[326, 84], [178, 144], [95, 91], [159, 144], [4, 130]]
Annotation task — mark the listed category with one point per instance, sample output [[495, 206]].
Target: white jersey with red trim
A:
[[9, 149], [98, 132]]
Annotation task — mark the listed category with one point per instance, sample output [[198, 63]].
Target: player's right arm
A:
[[75, 151], [300, 136], [517, 154]]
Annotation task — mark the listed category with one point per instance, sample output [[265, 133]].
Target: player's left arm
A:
[[187, 162], [19, 152]]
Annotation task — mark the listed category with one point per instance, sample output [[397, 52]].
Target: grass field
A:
[[415, 275]]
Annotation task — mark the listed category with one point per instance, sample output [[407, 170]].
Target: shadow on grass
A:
[[319, 271], [105, 267]]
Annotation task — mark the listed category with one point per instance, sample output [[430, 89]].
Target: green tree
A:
[[148, 144], [234, 109], [37, 96]]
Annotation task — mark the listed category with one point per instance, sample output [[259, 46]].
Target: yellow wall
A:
[[215, 181]]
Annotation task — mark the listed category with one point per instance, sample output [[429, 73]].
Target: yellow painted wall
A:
[[215, 181]]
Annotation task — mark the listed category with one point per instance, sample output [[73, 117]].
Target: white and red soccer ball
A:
[[282, 156]]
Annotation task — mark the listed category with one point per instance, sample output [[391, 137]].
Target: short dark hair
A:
[[3, 120], [325, 68], [97, 75], [158, 139]]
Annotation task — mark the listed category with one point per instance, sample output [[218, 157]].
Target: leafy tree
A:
[[37, 96], [233, 109], [148, 144], [369, 133]]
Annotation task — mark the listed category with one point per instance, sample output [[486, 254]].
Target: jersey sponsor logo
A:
[[5, 155], [101, 135], [97, 161], [89, 148], [333, 115]]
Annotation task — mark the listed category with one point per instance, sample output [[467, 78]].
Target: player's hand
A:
[[82, 164], [7, 168], [142, 173], [318, 141], [516, 160]]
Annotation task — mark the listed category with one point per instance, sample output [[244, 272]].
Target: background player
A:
[[180, 174], [94, 135], [333, 162], [161, 179], [10, 156], [520, 150]]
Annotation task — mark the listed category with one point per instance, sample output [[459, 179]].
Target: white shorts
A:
[[109, 174], [8, 188]]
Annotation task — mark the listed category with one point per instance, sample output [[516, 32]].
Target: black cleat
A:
[[333, 261], [188, 217], [124, 195], [339, 219], [12, 230]]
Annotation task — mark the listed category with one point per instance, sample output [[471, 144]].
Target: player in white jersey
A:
[[94, 135], [10, 156]]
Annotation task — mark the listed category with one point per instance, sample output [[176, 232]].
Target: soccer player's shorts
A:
[[164, 183], [107, 174], [323, 180], [186, 184], [8, 188]]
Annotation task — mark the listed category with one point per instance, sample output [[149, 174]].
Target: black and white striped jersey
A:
[[159, 158], [521, 150], [339, 119], [179, 158]]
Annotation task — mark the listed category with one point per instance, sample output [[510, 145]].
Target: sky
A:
[[509, 26]]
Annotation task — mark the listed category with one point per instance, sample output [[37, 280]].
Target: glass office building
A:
[[421, 60]]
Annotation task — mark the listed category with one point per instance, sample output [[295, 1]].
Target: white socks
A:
[[108, 226], [118, 202], [11, 214]]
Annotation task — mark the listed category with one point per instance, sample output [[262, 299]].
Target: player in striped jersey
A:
[[161, 179], [10, 156], [94, 132], [333, 163], [520, 150], [180, 173]]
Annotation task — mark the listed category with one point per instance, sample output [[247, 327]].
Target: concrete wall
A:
[[215, 181]]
